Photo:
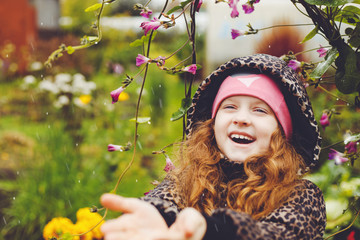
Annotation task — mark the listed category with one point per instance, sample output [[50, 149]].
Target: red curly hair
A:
[[263, 185]]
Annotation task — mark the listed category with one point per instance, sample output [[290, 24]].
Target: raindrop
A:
[[77, 144], [42, 76], [79, 180], [4, 220], [216, 228], [67, 166], [7, 55], [96, 42], [37, 136], [13, 198], [49, 126], [41, 23], [160, 103], [152, 90], [104, 103], [159, 85], [348, 104], [269, 46], [93, 172], [47, 113], [357, 143], [32, 98], [19, 221], [337, 99], [70, 203], [148, 122], [136, 180], [140, 146], [17, 172]]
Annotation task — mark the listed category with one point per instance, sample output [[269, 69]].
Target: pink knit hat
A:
[[259, 86]]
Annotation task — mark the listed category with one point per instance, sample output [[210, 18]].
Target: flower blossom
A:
[[169, 165], [322, 51], [199, 5], [248, 8], [152, 25], [146, 12], [141, 59], [324, 120], [236, 33], [160, 61], [112, 148], [351, 147], [191, 69], [233, 5], [294, 64], [115, 94], [338, 157]]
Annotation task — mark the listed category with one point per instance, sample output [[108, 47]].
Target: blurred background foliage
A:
[[49, 170]]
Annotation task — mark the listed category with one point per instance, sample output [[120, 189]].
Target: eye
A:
[[261, 110], [228, 106]]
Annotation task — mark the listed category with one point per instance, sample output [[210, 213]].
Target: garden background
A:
[[56, 123]]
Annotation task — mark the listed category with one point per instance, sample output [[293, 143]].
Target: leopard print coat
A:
[[302, 215]]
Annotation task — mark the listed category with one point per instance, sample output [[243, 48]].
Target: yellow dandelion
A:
[[85, 99], [58, 226]]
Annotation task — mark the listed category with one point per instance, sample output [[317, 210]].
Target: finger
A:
[[121, 204]]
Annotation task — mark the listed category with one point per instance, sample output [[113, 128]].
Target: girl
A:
[[251, 134]]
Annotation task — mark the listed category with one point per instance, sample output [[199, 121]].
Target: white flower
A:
[[61, 101], [29, 79], [36, 66], [48, 85]]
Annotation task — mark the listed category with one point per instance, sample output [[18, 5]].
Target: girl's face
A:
[[243, 127]]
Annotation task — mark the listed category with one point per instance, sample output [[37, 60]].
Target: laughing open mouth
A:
[[242, 139]]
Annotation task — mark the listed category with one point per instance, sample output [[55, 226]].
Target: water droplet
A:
[[96, 42], [49, 126], [93, 172], [104, 103], [47, 113], [77, 144], [19, 221], [37, 136], [148, 122], [7, 55], [13, 198], [4, 220], [159, 85], [42, 76], [79, 180], [337, 99], [70, 203], [67, 166], [17, 172], [136, 180], [348, 104], [269, 46], [41, 23]]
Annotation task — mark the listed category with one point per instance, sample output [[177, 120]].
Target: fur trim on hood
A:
[[305, 137]]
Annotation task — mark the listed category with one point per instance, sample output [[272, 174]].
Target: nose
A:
[[242, 118]]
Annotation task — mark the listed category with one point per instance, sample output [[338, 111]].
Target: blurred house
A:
[[21, 23]]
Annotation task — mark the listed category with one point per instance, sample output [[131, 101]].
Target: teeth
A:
[[242, 137]]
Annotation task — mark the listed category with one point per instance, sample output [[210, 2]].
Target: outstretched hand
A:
[[142, 221]]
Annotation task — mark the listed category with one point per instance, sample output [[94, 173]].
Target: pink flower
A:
[[324, 120], [112, 148], [294, 64], [146, 12], [338, 157], [115, 94], [236, 33], [141, 59], [233, 5], [199, 5], [351, 147], [257, 1], [322, 51], [191, 69], [152, 25], [146, 193], [169, 165], [248, 8]]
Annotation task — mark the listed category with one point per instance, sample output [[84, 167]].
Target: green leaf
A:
[[141, 120], [311, 34], [142, 40], [322, 67], [182, 5], [349, 14], [347, 76], [354, 37], [94, 7], [329, 3], [185, 105], [70, 50]]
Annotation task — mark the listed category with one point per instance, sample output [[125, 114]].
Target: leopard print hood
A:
[[305, 137]]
